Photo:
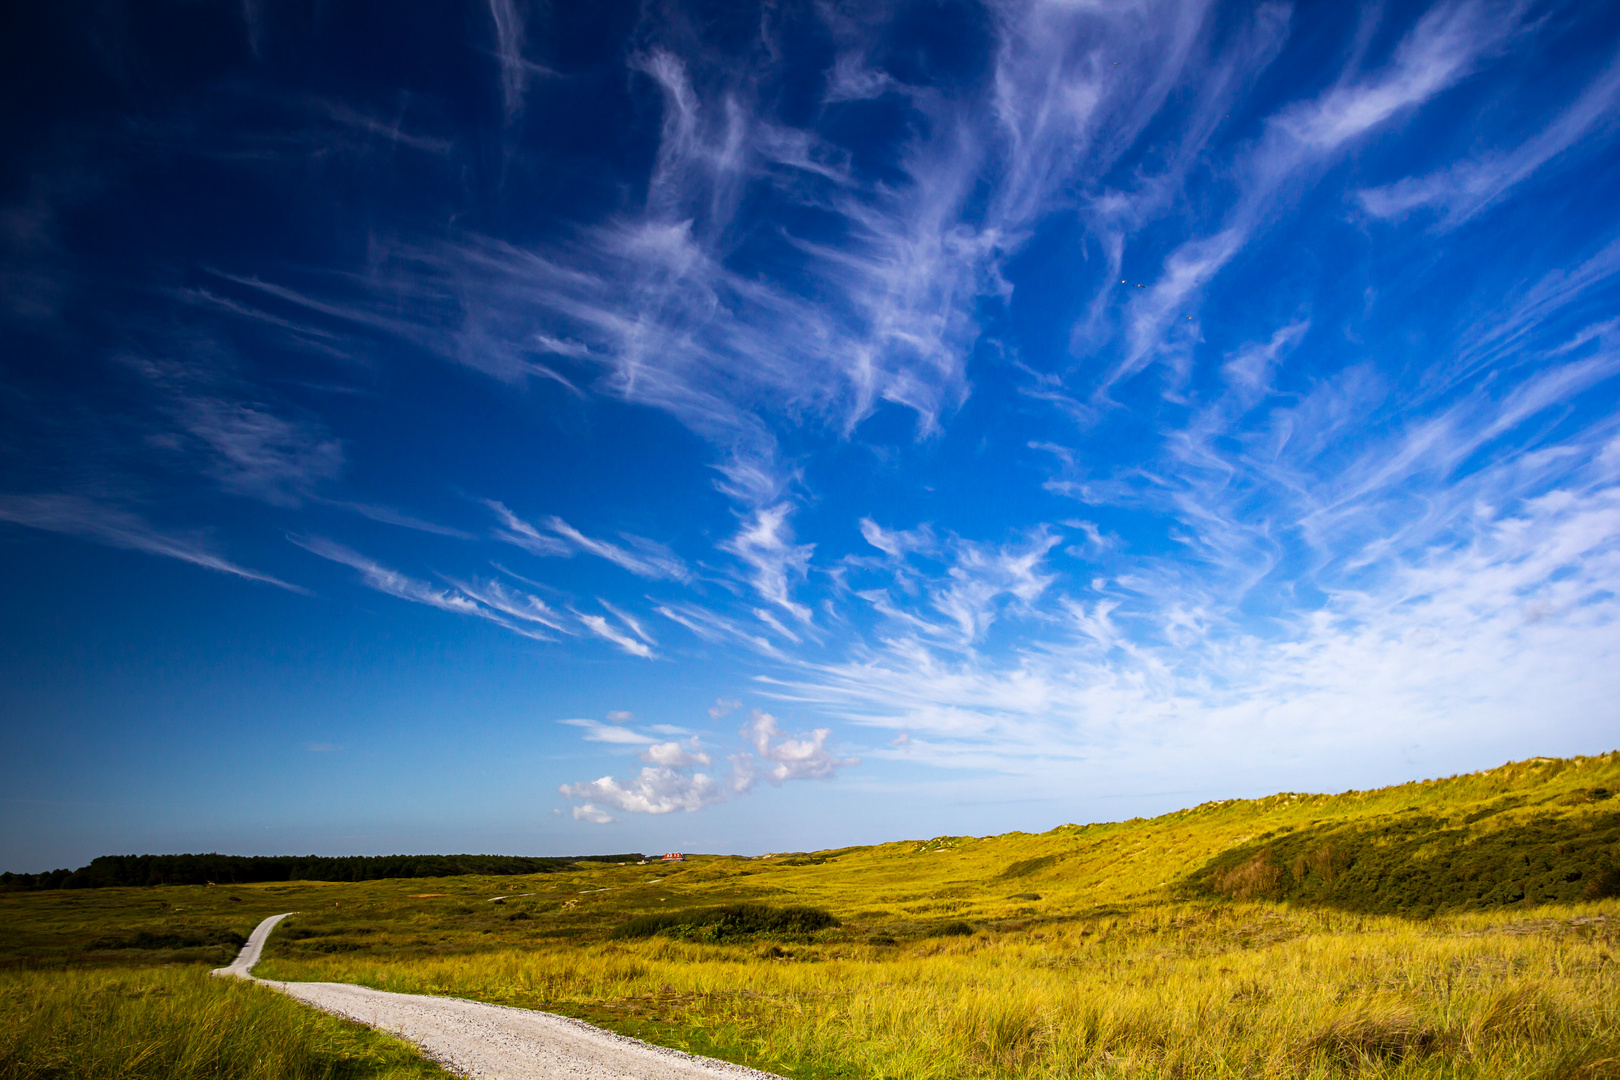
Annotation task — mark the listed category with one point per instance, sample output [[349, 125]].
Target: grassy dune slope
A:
[[1457, 928]]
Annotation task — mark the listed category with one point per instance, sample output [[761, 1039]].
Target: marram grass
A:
[[179, 1024]]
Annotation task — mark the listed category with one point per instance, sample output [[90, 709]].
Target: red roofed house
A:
[[674, 856]]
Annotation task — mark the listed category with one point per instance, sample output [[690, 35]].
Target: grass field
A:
[[1455, 928], [175, 1023]]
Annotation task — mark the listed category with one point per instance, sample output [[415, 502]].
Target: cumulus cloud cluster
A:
[[672, 779]]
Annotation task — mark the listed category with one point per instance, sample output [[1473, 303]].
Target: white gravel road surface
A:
[[473, 1039]]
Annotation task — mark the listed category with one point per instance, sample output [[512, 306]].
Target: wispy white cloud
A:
[[630, 621], [253, 19], [385, 580], [776, 624], [643, 557], [415, 281], [520, 613], [1539, 305], [257, 448], [1326, 594], [522, 606], [1445, 44], [376, 127], [390, 516], [978, 581], [714, 627], [649, 560], [515, 71], [897, 543], [105, 523], [676, 304], [765, 544], [598, 625], [257, 453], [612, 732], [520, 533], [1469, 187], [981, 576]]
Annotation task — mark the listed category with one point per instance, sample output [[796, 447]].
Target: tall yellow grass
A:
[[178, 1024], [1171, 991]]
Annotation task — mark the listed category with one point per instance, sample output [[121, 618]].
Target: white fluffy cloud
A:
[[592, 813], [655, 790], [670, 781], [779, 758], [673, 755]]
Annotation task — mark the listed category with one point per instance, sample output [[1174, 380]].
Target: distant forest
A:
[[115, 870]]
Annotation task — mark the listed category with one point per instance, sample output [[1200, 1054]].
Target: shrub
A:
[[1026, 867], [729, 922], [953, 929], [1416, 865], [1605, 883], [171, 939], [1256, 879], [1368, 1034]]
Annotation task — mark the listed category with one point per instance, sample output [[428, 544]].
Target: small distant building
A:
[[674, 856]]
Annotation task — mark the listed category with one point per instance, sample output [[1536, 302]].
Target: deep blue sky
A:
[[587, 427]]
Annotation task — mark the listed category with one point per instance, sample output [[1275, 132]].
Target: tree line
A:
[[213, 869]]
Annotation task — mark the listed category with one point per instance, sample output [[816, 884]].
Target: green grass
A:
[[179, 1024], [1454, 928]]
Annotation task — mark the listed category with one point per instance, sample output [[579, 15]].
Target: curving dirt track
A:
[[473, 1039]]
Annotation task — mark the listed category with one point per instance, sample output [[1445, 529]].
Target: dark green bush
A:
[[1416, 865], [953, 929], [1025, 867], [1603, 884], [171, 939], [729, 922]]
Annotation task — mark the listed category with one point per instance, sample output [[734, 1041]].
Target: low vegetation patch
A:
[[1417, 864], [958, 928], [729, 923], [171, 939], [1026, 867]]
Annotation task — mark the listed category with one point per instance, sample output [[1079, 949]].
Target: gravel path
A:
[[473, 1039]]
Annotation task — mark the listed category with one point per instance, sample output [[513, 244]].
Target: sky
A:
[[564, 428]]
